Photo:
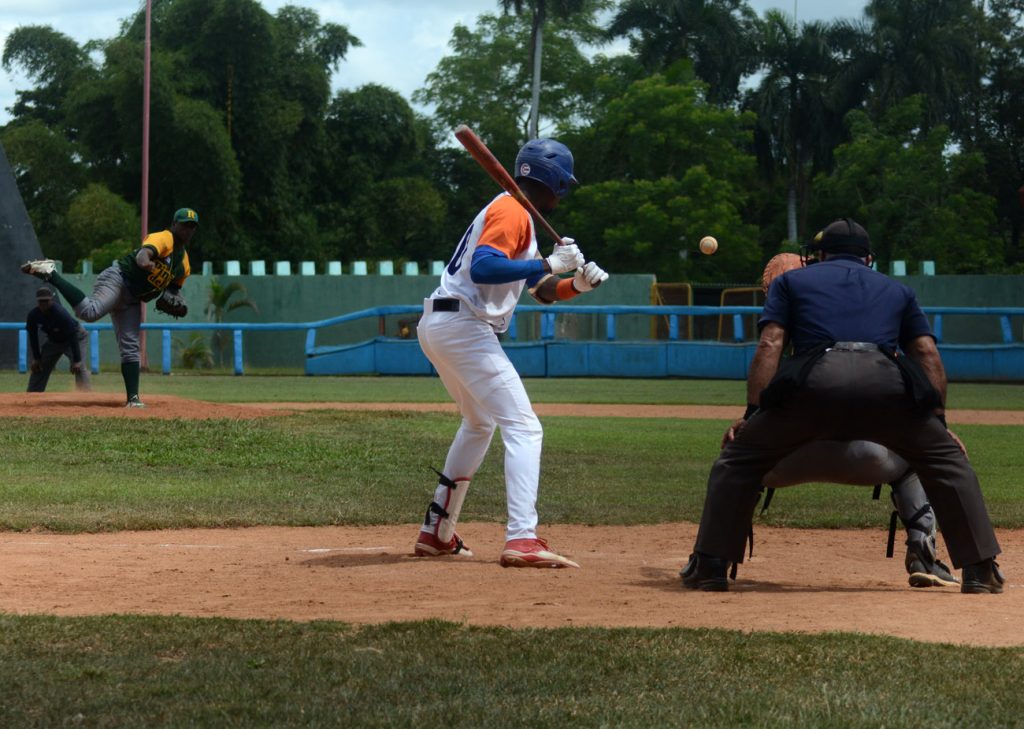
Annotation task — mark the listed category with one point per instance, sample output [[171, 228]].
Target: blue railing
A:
[[547, 325]]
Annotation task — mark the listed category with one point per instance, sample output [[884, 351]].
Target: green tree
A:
[[238, 106], [378, 194], [485, 80], [407, 219], [999, 133], [931, 47], [96, 218], [718, 36], [918, 199], [666, 168], [539, 10], [191, 160], [53, 61], [792, 103], [49, 174]]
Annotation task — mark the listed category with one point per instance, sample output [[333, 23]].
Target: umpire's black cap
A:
[[843, 236], [44, 293]]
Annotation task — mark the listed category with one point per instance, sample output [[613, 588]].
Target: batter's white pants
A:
[[479, 376]]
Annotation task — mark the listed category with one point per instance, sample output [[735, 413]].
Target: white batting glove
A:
[[565, 258], [589, 277]]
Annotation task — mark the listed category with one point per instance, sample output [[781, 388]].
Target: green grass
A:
[[338, 467], [91, 474], [169, 671], [299, 388]]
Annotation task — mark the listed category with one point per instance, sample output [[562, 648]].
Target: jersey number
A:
[[160, 276], [456, 263]]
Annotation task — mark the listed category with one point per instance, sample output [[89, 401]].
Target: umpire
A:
[[64, 337], [846, 381]]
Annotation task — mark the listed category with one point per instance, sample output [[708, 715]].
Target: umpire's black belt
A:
[[853, 347], [445, 304]]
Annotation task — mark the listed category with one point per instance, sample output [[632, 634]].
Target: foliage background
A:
[[755, 129]]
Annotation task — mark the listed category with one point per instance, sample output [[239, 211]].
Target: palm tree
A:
[[929, 47], [539, 10], [195, 353], [220, 303], [716, 35], [794, 105]]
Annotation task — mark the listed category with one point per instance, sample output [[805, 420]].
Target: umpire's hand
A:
[[732, 432], [36, 366], [959, 443], [76, 367]]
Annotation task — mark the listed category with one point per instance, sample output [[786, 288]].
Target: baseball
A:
[[708, 245]]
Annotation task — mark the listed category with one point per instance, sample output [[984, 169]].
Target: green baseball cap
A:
[[186, 215]]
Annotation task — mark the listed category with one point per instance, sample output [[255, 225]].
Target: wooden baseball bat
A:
[[476, 147]]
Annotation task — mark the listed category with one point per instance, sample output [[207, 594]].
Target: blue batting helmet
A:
[[547, 161]]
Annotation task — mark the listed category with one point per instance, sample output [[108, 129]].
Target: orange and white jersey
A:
[[505, 226]]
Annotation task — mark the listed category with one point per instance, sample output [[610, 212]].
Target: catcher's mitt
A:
[[172, 303], [778, 265]]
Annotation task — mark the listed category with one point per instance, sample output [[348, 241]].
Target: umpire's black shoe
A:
[[983, 577], [706, 573]]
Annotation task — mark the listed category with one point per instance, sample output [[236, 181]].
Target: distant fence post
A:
[[94, 351], [238, 352], [22, 351], [166, 351], [737, 328]]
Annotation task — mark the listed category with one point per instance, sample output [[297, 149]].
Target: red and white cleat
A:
[[428, 545], [532, 553]]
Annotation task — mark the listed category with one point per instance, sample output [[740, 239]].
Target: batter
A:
[[475, 301]]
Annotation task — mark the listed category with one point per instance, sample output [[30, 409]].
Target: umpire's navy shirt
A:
[[60, 328], [843, 300]]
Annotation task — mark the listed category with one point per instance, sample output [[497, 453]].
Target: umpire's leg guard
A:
[[922, 563]]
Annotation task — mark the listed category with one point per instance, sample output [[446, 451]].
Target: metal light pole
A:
[[145, 120], [144, 212]]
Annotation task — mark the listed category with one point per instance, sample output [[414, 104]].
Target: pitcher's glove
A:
[[172, 303]]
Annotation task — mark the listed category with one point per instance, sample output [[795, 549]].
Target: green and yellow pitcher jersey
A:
[[171, 267]]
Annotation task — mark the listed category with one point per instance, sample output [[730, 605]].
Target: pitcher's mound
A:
[[105, 404]]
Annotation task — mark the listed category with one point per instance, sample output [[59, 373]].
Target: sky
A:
[[402, 39]]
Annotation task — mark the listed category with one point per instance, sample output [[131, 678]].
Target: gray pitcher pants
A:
[[110, 295]]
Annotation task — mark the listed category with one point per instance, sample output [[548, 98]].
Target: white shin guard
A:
[[456, 495]]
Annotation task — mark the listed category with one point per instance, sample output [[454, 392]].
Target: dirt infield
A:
[[76, 405], [798, 580]]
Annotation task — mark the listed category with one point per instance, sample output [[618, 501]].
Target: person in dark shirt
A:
[[158, 268], [861, 462], [64, 337], [846, 381]]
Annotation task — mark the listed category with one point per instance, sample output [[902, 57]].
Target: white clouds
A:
[[402, 39]]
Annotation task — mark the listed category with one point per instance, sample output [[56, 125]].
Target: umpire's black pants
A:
[[847, 396]]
